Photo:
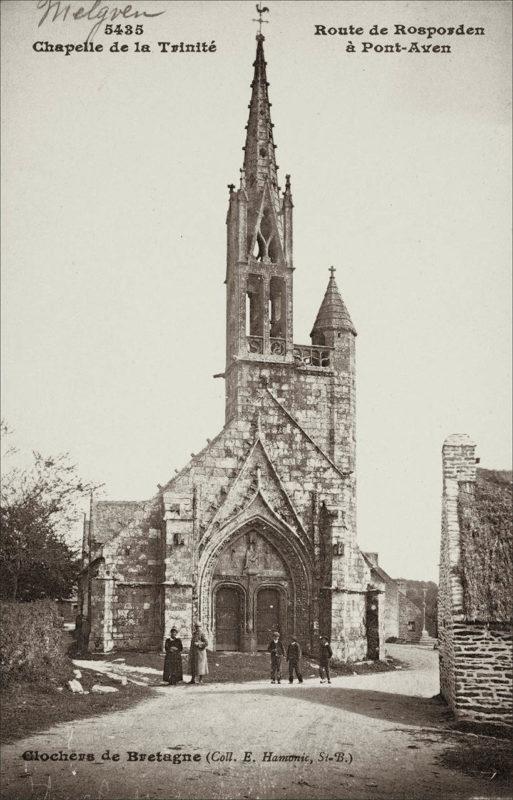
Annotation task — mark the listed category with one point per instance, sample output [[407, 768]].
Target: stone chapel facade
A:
[[258, 531]]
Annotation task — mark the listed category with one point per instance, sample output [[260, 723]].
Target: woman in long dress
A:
[[198, 662], [173, 660]]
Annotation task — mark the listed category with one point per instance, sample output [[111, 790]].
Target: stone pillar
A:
[[265, 315], [177, 611], [249, 642], [178, 560], [339, 583], [458, 464], [101, 614]]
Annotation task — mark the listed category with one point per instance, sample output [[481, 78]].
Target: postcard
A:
[[256, 389]]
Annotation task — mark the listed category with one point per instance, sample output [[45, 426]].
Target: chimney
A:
[[401, 586], [459, 458]]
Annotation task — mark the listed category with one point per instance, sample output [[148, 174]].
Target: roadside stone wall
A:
[[475, 656], [483, 672]]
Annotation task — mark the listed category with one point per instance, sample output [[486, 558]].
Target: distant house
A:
[[68, 608], [476, 587], [403, 618]]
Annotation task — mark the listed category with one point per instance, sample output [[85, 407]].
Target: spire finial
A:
[[332, 270], [261, 21]]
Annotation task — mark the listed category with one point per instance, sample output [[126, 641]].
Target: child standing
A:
[[325, 655], [294, 659]]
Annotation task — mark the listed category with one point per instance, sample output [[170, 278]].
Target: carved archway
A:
[[296, 583]]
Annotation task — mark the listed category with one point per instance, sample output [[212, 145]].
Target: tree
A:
[[39, 504]]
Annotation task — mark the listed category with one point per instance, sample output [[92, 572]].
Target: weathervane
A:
[[261, 21], [332, 270]]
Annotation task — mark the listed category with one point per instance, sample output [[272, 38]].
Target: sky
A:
[[115, 168]]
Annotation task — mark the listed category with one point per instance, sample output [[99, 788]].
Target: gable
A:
[[257, 484]]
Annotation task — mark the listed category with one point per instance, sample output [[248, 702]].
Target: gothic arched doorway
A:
[[229, 617], [255, 554], [253, 592]]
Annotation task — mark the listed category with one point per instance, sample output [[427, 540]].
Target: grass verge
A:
[[29, 708], [242, 667], [481, 757]]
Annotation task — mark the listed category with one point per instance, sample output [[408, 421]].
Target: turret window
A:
[[318, 338]]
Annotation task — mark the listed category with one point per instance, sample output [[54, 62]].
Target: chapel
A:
[[257, 532]]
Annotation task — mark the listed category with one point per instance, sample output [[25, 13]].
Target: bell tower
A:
[[259, 258]]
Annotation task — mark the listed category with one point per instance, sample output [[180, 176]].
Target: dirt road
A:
[[368, 736]]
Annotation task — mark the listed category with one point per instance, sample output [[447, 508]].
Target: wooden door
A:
[[268, 616], [228, 618]]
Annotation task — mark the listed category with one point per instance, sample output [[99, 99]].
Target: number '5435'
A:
[[119, 30]]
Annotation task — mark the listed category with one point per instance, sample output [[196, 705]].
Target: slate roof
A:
[[333, 314]]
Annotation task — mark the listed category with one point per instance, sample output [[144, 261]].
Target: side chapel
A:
[[258, 531]]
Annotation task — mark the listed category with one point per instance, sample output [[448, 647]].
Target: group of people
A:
[[277, 652], [198, 662]]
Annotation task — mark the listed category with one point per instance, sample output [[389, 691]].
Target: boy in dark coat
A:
[[277, 652], [325, 655], [294, 659]]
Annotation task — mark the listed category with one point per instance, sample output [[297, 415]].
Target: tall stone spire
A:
[[333, 314], [259, 158]]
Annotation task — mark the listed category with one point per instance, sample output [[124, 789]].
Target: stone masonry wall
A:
[[476, 678], [409, 612], [305, 474], [126, 594], [483, 672], [321, 399], [392, 610], [445, 621], [459, 463]]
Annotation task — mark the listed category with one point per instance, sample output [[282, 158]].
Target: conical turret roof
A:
[[333, 314]]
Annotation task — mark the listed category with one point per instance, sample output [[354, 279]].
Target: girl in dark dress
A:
[[173, 660]]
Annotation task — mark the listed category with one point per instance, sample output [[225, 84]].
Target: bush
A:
[[32, 644]]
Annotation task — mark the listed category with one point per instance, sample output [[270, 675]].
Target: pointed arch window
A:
[[255, 306], [265, 247], [277, 308]]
